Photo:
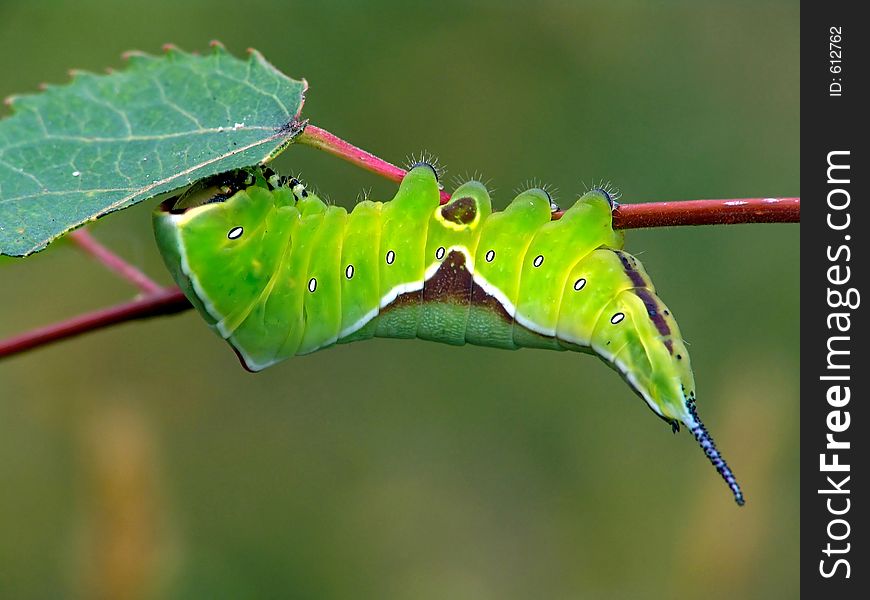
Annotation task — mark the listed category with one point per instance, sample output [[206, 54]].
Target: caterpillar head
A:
[[221, 241]]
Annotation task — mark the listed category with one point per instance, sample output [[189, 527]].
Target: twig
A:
[[707, 212], [627, 216], [332, 144], [88, 243], [163, 301]]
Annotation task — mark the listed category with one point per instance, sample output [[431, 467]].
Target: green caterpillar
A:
[[277, 273]]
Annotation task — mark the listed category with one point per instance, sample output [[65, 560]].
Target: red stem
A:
[[88, 243], [706, 212], [627, 216], [163, 301], [332, 144]]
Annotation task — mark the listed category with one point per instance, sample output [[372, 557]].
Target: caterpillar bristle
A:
[[548, 188], [477, 176], [526, 184], [425, 158], [320, 194], [296, 185], [608, 189]]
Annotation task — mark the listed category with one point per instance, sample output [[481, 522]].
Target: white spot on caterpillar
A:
[[235, 233], [539, 260], [579, 284], [348, 272], [490, 256], [439, 253], [76, 173], [617, 318], [312, 285], [391, 256]]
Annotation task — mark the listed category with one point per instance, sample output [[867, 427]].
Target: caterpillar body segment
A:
[[360, 300], [276, 272]]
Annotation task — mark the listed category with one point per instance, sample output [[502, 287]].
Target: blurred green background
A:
[[143, 462]]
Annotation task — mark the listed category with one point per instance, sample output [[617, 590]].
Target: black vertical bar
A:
[[834, 366]]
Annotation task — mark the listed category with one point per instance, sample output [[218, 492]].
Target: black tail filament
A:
[[709, 448]]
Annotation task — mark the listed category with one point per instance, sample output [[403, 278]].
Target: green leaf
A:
[[105, 142]]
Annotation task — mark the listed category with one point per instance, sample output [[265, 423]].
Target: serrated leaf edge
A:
[[290, 130]]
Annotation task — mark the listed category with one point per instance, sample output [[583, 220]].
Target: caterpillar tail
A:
[[705, 440]]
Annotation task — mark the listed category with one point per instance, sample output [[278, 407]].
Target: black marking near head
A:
[[216, 188], [273, 180], [297, 187], [224, 192], [461, 211], [709, 448]]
